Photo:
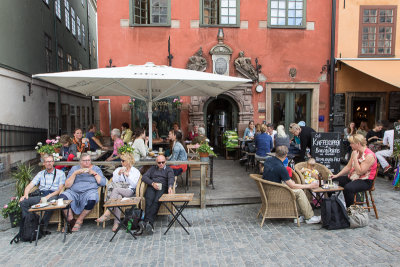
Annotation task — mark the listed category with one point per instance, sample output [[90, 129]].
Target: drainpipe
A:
[[109, 109], [332, 66], [59, 88], [88, 31]]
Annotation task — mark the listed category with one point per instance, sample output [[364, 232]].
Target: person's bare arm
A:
[[345, 170], [28, 189], [364, 166], [70, 181], [97, 141], [293, 185], [55, 193]]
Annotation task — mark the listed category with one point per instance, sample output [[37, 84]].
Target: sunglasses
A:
[[160, 162], [122, 160]]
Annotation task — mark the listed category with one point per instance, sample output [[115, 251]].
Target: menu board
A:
[[326, 148], [396, 135], [339, 108]]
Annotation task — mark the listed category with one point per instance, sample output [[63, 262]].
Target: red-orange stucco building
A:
[[290, 39]]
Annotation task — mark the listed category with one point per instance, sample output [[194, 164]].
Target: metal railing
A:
[[18, 138]]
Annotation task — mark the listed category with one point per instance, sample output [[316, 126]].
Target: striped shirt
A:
[[45, 180]]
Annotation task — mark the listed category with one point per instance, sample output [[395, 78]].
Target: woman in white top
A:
[[140, 144], [124, 183]]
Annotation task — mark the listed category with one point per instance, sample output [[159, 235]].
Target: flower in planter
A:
[[177, 103], [204, 147], [125, 149], [131, 103], [12, 208], [45, 149]]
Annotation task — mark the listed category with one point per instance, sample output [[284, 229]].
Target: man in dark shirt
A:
[[156, 175], [275, 171], [304, 134]]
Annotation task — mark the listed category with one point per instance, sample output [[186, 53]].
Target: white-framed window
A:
[[78, 28], [287, 13], [67, 18], [57, 8], [73, 24], [220, 12], [151, 12]]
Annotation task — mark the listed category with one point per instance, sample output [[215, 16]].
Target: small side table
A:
[[320, 193], [119, 203], [53, 207], [185, 198]]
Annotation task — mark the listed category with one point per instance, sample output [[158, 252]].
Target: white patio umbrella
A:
[[147, 82]]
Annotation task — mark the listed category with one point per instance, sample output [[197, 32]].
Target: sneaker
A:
[[387, 168], [314, 219], [301, 219], [149, 229]]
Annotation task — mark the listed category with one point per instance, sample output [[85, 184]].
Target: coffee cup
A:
[[78, 155], [43, 200], [160, 149], [60, 201], [159, 186], [98, 151]]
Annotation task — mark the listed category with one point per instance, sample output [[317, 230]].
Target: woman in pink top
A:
[[118, 142], [360, 171]]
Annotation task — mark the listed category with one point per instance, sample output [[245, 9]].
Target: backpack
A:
[[133, 216], [333, 214], [28, 229]]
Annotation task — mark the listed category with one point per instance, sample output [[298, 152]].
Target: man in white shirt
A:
[[387, 140], [271, 132]]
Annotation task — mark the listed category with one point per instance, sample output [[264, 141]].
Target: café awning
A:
[[384, 70]]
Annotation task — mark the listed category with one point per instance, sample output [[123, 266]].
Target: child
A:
[[310, 174]]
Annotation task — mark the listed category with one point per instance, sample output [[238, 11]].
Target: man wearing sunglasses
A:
[[159, 179]]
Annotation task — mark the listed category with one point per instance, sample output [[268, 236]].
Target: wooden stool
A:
[[366, 200]]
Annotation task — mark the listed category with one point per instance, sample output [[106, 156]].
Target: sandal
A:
[[77, 227], [115, 227], [71, 224], [103, 218]]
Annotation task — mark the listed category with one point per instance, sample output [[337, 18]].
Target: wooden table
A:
[[171, 198], [52, 207], [203, 173], [119, 203], [321, 192]]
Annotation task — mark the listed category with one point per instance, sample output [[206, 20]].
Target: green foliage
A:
[[46, 149], [10, 208], [98, 134], [23, 176], [125, 149], [206, 148]]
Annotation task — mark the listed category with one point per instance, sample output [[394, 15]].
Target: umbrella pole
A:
[[150, 114]]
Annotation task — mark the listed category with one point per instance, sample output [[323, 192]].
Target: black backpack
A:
[[28, 229], [333, 214]]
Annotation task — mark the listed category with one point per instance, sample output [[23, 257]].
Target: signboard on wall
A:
[[326, 149]]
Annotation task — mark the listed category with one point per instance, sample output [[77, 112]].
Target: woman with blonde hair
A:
[[123, 184], [281, 138], [359, 173]]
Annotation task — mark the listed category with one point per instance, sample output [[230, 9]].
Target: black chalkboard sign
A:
[[326, 149], [339, 110]]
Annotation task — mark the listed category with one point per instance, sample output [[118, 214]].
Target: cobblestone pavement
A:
[[222, 236]]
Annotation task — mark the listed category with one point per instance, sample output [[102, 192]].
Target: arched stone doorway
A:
[[220, 114], [240, 108]]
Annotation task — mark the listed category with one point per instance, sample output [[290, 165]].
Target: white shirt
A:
[[141, 149], [388, 138], [273, 136], [132, 178]]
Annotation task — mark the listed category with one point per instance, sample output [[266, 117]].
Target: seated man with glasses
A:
[[158, 178], [50, 181], [82, 182]]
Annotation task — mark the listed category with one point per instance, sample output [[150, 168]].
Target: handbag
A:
[[333, 214], [358, 216]]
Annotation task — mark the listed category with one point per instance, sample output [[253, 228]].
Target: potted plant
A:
[[23, 177], [125, 149], [13, 211], [204, 149], [45, 149], [99, 135], [131, 103], [177, 103]]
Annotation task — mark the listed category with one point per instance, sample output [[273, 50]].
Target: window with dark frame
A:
[[83, 118], [78, 28], [57, 8], [220, 12], [151, 12], [88, 115], [74, 64], [286, 13], [64, 118], [60, 54], [377, 31], [67, 17], [73, 23], [47, 45], [52, 119], [72, 115], [78, 117], [69, 62]]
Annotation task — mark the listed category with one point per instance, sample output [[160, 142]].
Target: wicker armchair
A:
[[55, 217], [140, 192], [295, 177], [277, 200], [324, 171]]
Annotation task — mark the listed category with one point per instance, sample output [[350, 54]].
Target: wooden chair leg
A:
[[373, 205], [367, 201], [262, 222]]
